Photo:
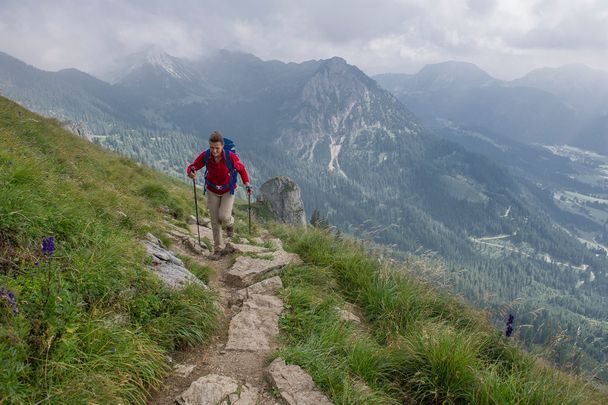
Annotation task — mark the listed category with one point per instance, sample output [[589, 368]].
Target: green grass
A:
[[202, 272], [94, 324], [417, 344]]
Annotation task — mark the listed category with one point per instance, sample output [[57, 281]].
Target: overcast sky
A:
[[506, 38]]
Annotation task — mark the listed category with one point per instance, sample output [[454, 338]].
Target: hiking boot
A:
[[228, 249], [217, 254], [230, 231]]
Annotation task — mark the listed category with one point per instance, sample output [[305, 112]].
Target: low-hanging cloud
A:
[[507, 38]]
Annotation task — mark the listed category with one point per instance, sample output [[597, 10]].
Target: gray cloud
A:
[[481, 7], [507, 38], [585, 27]]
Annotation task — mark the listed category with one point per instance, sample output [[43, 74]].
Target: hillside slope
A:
[[86, 320]]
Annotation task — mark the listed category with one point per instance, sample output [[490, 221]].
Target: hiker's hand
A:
[[192, 173], [249, 189]]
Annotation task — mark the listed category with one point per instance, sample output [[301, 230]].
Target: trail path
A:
[[233, 367]]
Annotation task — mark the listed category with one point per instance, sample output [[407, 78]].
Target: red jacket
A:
[[217, 172]]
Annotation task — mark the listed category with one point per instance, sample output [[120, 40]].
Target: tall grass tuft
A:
[[417, 344]]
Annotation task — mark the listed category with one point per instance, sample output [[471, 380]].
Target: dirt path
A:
[[212, 358]]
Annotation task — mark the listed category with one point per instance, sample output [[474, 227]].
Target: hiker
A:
[[220, 183]]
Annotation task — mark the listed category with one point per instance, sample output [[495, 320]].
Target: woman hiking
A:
[[220, 182]]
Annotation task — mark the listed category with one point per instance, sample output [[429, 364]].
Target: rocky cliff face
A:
[[340, 115], [282, 196]]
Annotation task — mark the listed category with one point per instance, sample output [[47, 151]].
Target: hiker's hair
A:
[[216, 136]]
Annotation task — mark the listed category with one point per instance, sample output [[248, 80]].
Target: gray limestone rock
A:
[[206, 222], [347, 316], [246, 248], [282, 196], [294, 384], [216, 389], [184, 370], [193, 246], [203, 230], [277, 243], [167, 267], [255, 327], [247, 395], [270, 286], [247, 270]]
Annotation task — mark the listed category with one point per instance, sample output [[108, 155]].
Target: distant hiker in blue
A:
[[220, 181]]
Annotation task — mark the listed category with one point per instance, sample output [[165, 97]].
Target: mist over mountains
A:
[[550, 105], [410, 161]]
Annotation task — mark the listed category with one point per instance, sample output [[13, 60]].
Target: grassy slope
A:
[[92, 323], [416, 345]]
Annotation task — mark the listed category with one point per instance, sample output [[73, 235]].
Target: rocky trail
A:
[[233, 367]]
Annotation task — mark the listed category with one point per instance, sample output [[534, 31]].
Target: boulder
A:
[[282, 196]]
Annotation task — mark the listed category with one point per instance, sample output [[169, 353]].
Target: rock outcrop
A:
[[282, 196], [167, 266]]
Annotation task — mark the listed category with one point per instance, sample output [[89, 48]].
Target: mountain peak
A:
[[152, 57], [334, 65], [155, 55], [336, 61], [454, 73], [569, 71], [338, 66], [582, 87]]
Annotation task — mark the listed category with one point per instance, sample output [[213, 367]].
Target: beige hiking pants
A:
[[220, 210]]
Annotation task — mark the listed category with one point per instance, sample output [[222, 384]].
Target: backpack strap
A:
[[232, 170]]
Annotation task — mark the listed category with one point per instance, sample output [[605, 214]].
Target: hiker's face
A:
[[216, 148]]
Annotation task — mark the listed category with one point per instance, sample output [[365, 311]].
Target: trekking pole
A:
[[196, 208], [249, 200]]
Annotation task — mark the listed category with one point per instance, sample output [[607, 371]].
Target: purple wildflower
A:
[[509, 330], [48, 246], [12, 300]]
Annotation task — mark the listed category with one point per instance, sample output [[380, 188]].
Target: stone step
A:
[[270, 286], [256, 326], [246, 248], [214, 389], [248, 270], [294, 384]]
